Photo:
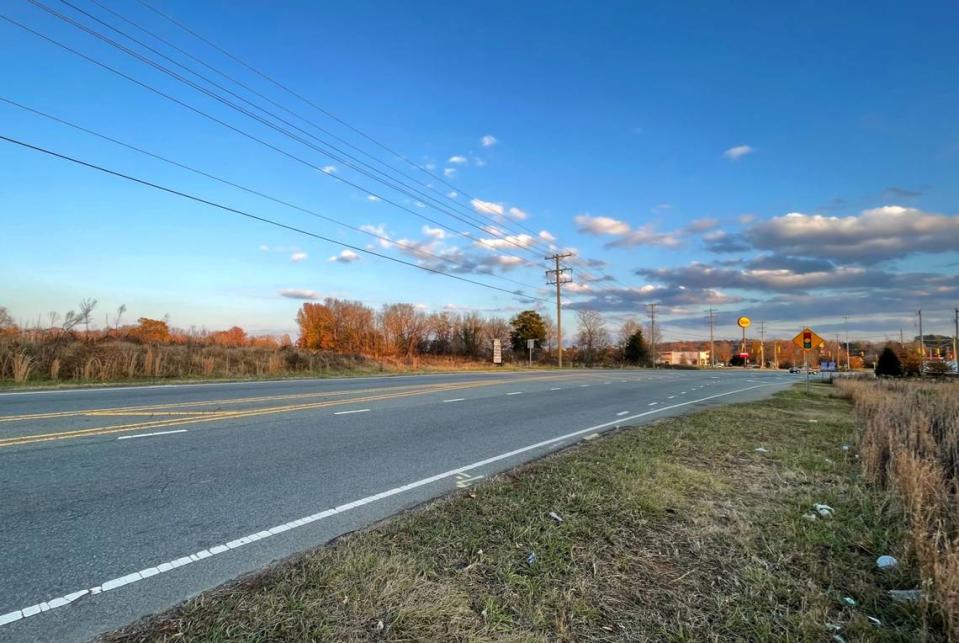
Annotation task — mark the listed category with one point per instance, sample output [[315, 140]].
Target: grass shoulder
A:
[[679, 531]]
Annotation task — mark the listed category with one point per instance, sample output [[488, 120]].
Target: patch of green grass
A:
[[676, 531]]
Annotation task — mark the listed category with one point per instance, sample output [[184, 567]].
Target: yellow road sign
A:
[[743, 322], [808, 340]]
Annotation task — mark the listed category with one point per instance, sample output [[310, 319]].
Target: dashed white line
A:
[[653, 403], [670, 397], [150, 435], [583, 385], [350, 412], [682, 393], [590, 432], [515, 393], [455, 399], [556, 388], [622, 413]]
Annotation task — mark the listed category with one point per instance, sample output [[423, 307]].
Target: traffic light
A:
[[807, 339]]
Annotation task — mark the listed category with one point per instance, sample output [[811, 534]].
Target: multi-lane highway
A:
[[120, 502]]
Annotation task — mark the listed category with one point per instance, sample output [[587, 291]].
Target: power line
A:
[[307, 101], [254, 217], [252, 137], [398, 242]]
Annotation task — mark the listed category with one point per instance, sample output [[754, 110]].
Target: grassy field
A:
[[677, 531]]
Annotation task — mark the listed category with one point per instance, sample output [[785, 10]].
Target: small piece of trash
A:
[[905, 595], [761, 450], [845, 447], [875, 621], [556, 517], [531, 559], [810, 517], [814, 421], [849, 600], [379, 626], [838, 639], [832, 627], [887, 562], [823, 510]]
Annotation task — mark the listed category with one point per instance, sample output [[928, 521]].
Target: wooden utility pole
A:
[[711, 316], [922, 348], [762, 344], [848, 360], [955, 342], [652, 330], [559, 276]]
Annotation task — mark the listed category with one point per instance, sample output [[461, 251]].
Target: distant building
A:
[[685, 358]]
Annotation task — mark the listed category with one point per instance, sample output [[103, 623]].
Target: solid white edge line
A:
[[353, 411], [150, 435], [515, 393], [455, 399], [113, 583]]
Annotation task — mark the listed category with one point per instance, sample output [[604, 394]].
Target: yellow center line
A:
[[214, 416]]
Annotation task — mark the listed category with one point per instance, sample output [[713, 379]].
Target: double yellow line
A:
[[213, 416]]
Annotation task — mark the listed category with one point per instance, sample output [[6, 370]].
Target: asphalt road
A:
[[120, 502]]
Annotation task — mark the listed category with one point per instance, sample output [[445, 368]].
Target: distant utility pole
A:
[[711, 316], [559, 276], [652, 330], [762, 344], [845, 319], [922, 347], [902, 344]]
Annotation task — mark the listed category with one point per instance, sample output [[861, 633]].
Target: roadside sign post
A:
[[530, 343], [497, 351]]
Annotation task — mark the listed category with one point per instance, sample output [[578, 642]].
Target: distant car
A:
[[795, 369]]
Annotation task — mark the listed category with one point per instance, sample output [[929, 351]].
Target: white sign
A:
[[531, 344], [497, 351]]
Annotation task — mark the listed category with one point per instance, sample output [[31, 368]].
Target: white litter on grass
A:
[[823, 510], [887, 562], [875, 621], [761, 450], [849, 600], [814, 421], [905, 595], [555, 516], [810, 517], [845, 447]]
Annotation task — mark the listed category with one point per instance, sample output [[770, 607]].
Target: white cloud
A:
[[873, 235], [509, 241], [372, 197], [435, 233], [577, 288], [545, 235], [297, 257], [346, 256], [300, 293], [458, 159], [488, 141], [328, 169], [600, 225], [449, 172], [478, 162], [736, 153], [380, 231], [452, 194], [518, 214], [430, 166], [487, 207]]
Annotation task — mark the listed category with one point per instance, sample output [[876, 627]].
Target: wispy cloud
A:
[[518, 214], [300, 293], [736, 153], [435, 233], [346, 256], [600, 225], [458, 159], [372, 197], [297, 257], [488, 141], [328, 169], [449, 172], [487, 207]]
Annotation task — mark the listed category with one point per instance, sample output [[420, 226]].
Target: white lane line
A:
[[515, 393], [653, 403], [353, 411], [622, 413], [455, 399], [215, 550], [556, 388], [583, 385], [150, 435], [682, 393], [670, 397]]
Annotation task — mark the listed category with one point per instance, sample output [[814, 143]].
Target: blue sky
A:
[[668, 141]]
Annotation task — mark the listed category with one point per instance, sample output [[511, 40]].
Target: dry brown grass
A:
[[909, 444]]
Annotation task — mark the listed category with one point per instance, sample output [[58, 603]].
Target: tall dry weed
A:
[[909, 444]]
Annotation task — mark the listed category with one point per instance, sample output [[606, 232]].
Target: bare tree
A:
[[593, 336]]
